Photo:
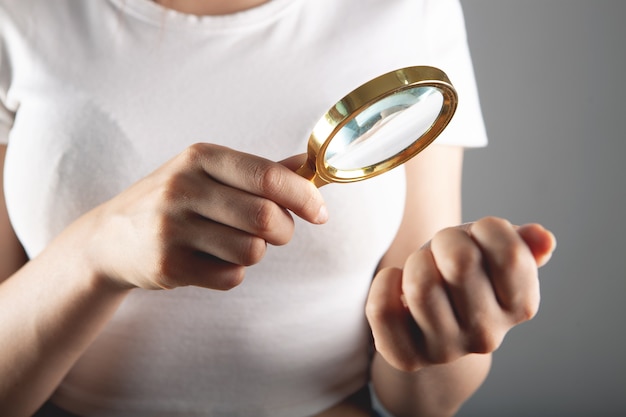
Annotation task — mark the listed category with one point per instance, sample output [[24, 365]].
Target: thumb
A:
[[540, 240], [294, 162]]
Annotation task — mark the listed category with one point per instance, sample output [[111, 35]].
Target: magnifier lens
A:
[[379, 125], [383, 130]]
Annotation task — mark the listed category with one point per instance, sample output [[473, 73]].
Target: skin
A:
[[441, 302], [436, 320], [55, 304], [80, 279], [209, 8]]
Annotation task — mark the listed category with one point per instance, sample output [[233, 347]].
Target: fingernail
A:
[[543, 260], [553, 240], [322, 215]]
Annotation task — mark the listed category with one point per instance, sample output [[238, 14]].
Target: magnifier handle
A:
[[308, 171]]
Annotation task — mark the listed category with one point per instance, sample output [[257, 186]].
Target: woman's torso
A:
[[104, 92]]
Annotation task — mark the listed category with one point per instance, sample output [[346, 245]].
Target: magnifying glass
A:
[[379, 126]]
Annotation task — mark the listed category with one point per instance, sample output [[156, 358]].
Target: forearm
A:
[[437, 390], [51, 310], [433, 202]]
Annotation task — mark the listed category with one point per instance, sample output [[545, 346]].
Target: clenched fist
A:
[[459, 294]]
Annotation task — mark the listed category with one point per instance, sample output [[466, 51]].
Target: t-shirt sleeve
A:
[[448, 50]]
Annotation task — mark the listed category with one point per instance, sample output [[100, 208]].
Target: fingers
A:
[[540, 241], [257, 216], [470, 290], [396, 336], [459, 294], [428, 300], [511, 265], [224, 242], [294, 162], [229, 204], [198, 269], [260, 177], [200, 219]]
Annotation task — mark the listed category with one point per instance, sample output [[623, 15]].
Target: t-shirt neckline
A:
[[153, 13]]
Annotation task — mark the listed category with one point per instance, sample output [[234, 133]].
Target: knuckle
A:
[[264, 215], [442, 354], [311, 203], [527, 311], [377, 312], [166, 274], [467, 259], [483, 341], [194, 153], [418, 292], [517, 258], [231, 279], [462, 261], [493, 222], [373, 311], [254, 252], [270, 178], [175, 189]]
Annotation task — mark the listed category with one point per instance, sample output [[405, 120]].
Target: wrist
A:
[[82, 247], [437, 390]]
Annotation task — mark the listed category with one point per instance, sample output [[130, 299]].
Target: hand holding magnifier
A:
[[380, 125]]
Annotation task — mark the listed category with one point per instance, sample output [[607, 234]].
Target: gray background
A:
[[552, 76]]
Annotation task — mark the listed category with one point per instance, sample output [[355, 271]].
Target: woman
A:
[[139, 141]]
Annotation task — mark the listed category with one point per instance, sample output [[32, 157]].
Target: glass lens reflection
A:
[[384, 129]]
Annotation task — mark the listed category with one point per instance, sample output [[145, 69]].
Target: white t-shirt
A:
[[96, 94]]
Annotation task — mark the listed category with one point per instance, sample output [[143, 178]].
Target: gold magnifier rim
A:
[[363, 97]]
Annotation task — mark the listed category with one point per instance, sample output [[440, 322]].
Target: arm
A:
[[437, 311], [11, 252], [160, 233], [433, 176], [50, 309]]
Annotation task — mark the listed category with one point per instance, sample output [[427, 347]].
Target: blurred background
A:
[[552, 79]]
